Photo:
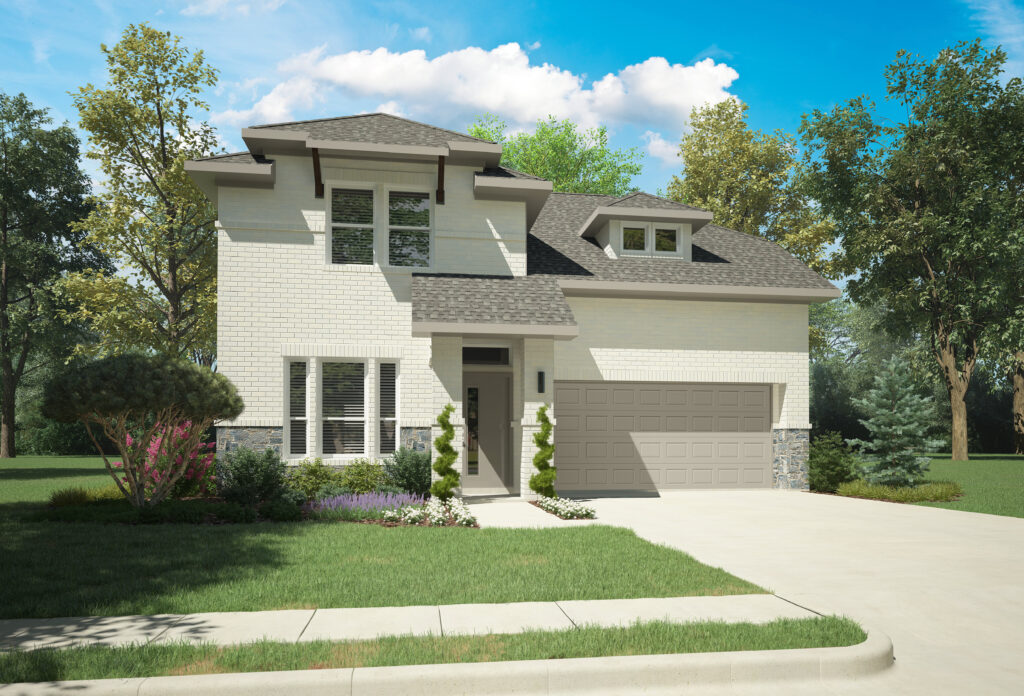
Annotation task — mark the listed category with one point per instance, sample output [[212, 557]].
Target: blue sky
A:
[[638, 68]]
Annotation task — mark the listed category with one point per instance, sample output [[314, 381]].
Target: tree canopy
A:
[[750, 180], [143, 126], [574, 159], [928, 210]]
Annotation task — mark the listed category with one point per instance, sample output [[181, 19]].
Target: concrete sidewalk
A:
[[225, 628]]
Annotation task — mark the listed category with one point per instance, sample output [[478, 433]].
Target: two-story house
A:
[[373, 269]]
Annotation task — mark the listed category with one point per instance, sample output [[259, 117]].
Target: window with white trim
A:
[[297, 407], [408, 229], [387, 406], [343, 408], [352, 226], [652, 239]]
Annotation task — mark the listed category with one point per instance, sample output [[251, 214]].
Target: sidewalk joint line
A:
[[181, 618], [798, 605], [566, 614], [440, 622], [303, 631]]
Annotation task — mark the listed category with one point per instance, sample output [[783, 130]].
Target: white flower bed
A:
[[435, 512], [566, 509]]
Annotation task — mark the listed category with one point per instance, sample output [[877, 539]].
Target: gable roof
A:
[[377, 128], [639, 199]]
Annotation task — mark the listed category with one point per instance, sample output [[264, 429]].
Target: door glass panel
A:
[[473, 430]]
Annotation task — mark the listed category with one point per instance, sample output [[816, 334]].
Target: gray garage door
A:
[[647, 435]]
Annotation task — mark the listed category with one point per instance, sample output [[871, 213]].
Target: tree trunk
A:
[[957, 379], [7, 421], [959, 409], [1018, 402]]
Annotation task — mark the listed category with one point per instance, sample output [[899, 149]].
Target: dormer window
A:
[[651, 239]]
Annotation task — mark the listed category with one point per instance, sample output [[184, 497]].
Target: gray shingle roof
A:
[[489, 300], [720, 256], [383, 129], [639, 199]]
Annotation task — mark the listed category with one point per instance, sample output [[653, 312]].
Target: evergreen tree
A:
[[897, 422]]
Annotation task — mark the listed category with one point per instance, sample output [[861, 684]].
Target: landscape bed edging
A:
[[653, 674]]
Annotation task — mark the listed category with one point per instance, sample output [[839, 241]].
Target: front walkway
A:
[[225, 628]]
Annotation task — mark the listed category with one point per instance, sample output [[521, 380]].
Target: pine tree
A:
[[897, 421]]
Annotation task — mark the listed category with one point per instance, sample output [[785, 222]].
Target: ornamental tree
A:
[[897, 422], [137, 400], [444, 488], [543, 482]]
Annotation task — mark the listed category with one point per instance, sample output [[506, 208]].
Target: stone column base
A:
[[257, 438], [416, 439], [790, 448]]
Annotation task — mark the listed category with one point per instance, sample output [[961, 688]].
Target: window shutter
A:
[[387, 405], [297, 407], [343, 408]]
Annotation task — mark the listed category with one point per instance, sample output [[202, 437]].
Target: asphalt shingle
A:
[[382, 129], [489, 300]]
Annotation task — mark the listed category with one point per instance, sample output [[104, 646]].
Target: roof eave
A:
[[459, 328], [601, 214], [211, 174], [690, 291], [534, 192]]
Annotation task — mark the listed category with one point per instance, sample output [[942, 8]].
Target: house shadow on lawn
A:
[[33, 473], [59, 569]]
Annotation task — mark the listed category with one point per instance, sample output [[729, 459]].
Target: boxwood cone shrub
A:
[[830, 463], [409, 470], [133, 399], [444, 488], [249, 478], [543, 482], [897, 422]]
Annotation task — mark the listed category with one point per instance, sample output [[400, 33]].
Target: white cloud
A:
[[659, 148], [455, 86], [534, 46], [206, 8], [390, 107], [421, 34], [1003, 22], [40, 50]]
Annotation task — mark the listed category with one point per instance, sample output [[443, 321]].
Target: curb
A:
[[649, 674]]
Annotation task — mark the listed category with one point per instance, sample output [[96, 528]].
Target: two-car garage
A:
[[612, 436]]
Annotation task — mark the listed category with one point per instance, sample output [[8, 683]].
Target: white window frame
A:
[[398, 405], [308, 420], [368, 409], [381, 224], [649, 241]]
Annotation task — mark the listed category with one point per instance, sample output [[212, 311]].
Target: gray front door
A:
[[485, 399]]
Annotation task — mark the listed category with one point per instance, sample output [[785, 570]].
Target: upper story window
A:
[[651, 239], [352, 226], [379, 225]]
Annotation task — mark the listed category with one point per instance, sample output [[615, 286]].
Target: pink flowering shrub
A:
[[170, 449]]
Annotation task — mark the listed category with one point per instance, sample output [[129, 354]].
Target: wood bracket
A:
[[318, 181], [439, 196]]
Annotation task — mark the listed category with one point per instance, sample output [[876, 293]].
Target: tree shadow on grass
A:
[[56, 569], [33, 473]]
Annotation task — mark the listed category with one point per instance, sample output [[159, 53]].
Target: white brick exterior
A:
[[280, 300]]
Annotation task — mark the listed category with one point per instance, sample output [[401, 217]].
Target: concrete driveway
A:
[[947, 586]]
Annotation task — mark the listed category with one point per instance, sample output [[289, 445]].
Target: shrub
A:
[[69, 496], [409, 470], [543, 482], [133, 398], [195, 463], [830, 463], [331, 490], [311, 475], [248, 478], [444, 488], [932, 491], [566, 509], [294, 497], [897, 422], [363, 506], [435, 513], [363, 476], [281, 510]]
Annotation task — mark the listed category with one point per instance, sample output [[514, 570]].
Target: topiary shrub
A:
[[135, 398], [897, 421], [310, 475], [444, 488], [543, 482], [409, 470], [830, 463], [363, 476], [250, 478]]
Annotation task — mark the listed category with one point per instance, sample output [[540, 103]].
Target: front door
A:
[[486, 407]]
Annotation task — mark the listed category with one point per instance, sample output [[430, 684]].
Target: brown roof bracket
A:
[[439, 196], [318, 181]]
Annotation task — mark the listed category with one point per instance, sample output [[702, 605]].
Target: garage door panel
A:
[[661, 435]]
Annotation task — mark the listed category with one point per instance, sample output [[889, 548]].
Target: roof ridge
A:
[[375, 113], [578, 193]]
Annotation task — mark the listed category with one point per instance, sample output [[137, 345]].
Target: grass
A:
[[651, 638], [992, 483], [54, 569], [931, 491]]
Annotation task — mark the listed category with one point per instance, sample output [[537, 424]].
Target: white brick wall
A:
[[692, 341]]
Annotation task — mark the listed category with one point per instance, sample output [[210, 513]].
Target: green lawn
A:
[[640, 639], [52, 569], [992, 483]]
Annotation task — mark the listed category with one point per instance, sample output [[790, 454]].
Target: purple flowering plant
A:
[[360, 506]]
